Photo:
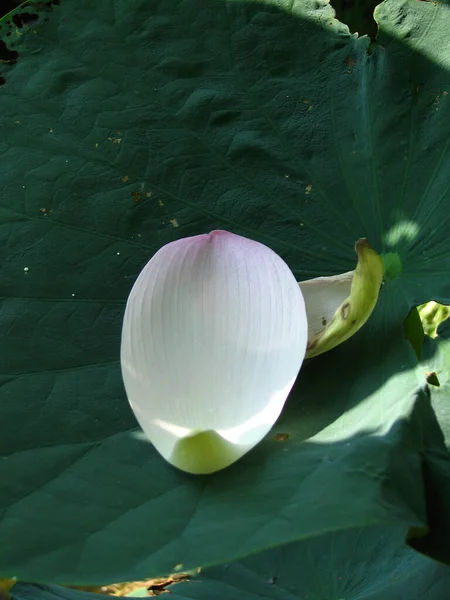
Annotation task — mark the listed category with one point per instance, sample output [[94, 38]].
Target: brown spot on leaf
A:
[[125, 178], [281, 437], [136, 197], [350, 62]]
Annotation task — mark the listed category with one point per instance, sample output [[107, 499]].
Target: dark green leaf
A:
[[436, 365], [30, 591], [127, 124], [359, 564]]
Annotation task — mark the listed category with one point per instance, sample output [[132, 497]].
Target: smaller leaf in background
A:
[[371, 563], [214, 336], [34, 591], [337, 307], [362, 563], [432, 314]]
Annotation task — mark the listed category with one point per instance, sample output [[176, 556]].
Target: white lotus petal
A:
[[323, 296], [213, 338]]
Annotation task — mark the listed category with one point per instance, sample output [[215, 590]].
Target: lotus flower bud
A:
[[213, 338]]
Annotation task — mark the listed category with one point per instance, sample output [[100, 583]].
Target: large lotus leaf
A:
[[127, 124], [358, 564]]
